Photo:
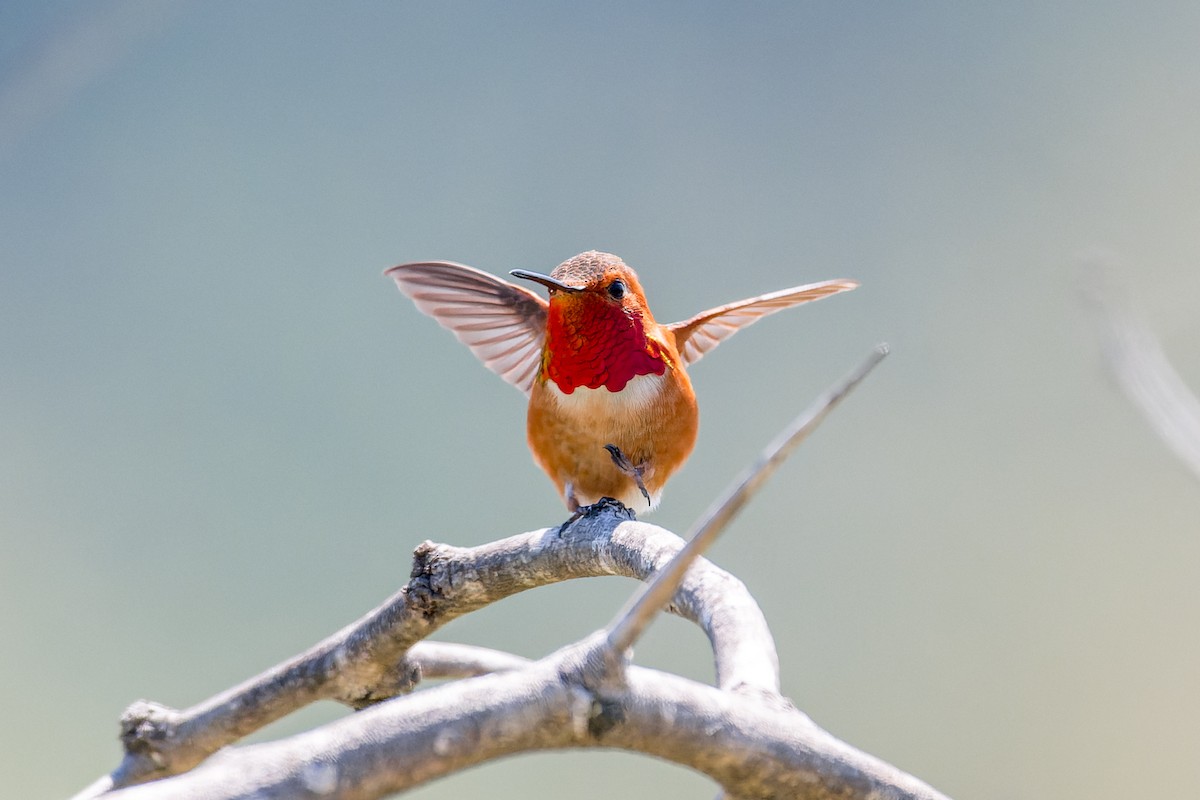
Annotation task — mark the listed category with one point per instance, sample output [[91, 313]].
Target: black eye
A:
[[616, 290]]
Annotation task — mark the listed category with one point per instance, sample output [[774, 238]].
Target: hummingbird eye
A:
[[616, 290]]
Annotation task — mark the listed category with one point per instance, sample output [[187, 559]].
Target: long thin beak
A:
[[544, 280]]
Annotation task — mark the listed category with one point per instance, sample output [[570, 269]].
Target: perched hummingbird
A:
[[611, 410]]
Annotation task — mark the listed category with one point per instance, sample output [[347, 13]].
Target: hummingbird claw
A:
[[612, 503], [623, 463], [586, 512]]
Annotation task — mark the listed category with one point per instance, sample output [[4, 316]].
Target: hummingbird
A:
[[612, 413]]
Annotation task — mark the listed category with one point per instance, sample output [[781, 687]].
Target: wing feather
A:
[[696, 336], [503, 324]]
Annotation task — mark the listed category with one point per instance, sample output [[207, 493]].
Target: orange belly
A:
[[653, 420]]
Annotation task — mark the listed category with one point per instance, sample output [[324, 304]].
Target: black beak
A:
[[544, 280]]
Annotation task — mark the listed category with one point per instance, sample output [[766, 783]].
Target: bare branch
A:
[[449, 660], [754, 750], [1136, 359], [645, 605], [365, 662]]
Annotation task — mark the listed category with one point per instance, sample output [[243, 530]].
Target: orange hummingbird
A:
[[611, 409]]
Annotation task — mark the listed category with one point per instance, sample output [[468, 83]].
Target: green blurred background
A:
[[222, 431]]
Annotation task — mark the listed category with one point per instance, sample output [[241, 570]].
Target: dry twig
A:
[[1136, 359]]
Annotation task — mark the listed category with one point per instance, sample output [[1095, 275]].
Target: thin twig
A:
[[625, 629], [452, 660], [1136, 359]]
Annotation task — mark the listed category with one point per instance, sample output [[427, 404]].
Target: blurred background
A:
[[222, 431]]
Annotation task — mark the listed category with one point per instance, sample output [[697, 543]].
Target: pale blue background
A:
[[222, 431]]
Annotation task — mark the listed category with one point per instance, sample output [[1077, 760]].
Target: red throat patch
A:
[[591, 342]]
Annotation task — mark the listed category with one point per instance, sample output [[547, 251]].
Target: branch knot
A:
[[428, 584], [402, 679], [147, 729]]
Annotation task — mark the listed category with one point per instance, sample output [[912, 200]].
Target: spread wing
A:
[[503, 324], [696, 336]]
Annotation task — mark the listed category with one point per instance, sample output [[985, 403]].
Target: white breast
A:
[[636, 396]]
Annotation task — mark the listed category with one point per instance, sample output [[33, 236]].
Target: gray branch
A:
[[449, 660], [744, 735], [753, 749], [367, 661]]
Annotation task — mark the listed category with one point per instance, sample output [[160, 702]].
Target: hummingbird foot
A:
[[623, 463], [588, 511]]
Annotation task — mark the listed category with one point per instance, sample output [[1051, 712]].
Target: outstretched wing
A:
[[696, 336], [503, 324]]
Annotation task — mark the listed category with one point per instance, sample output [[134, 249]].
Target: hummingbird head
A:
[[599, 330], [590, 277]]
